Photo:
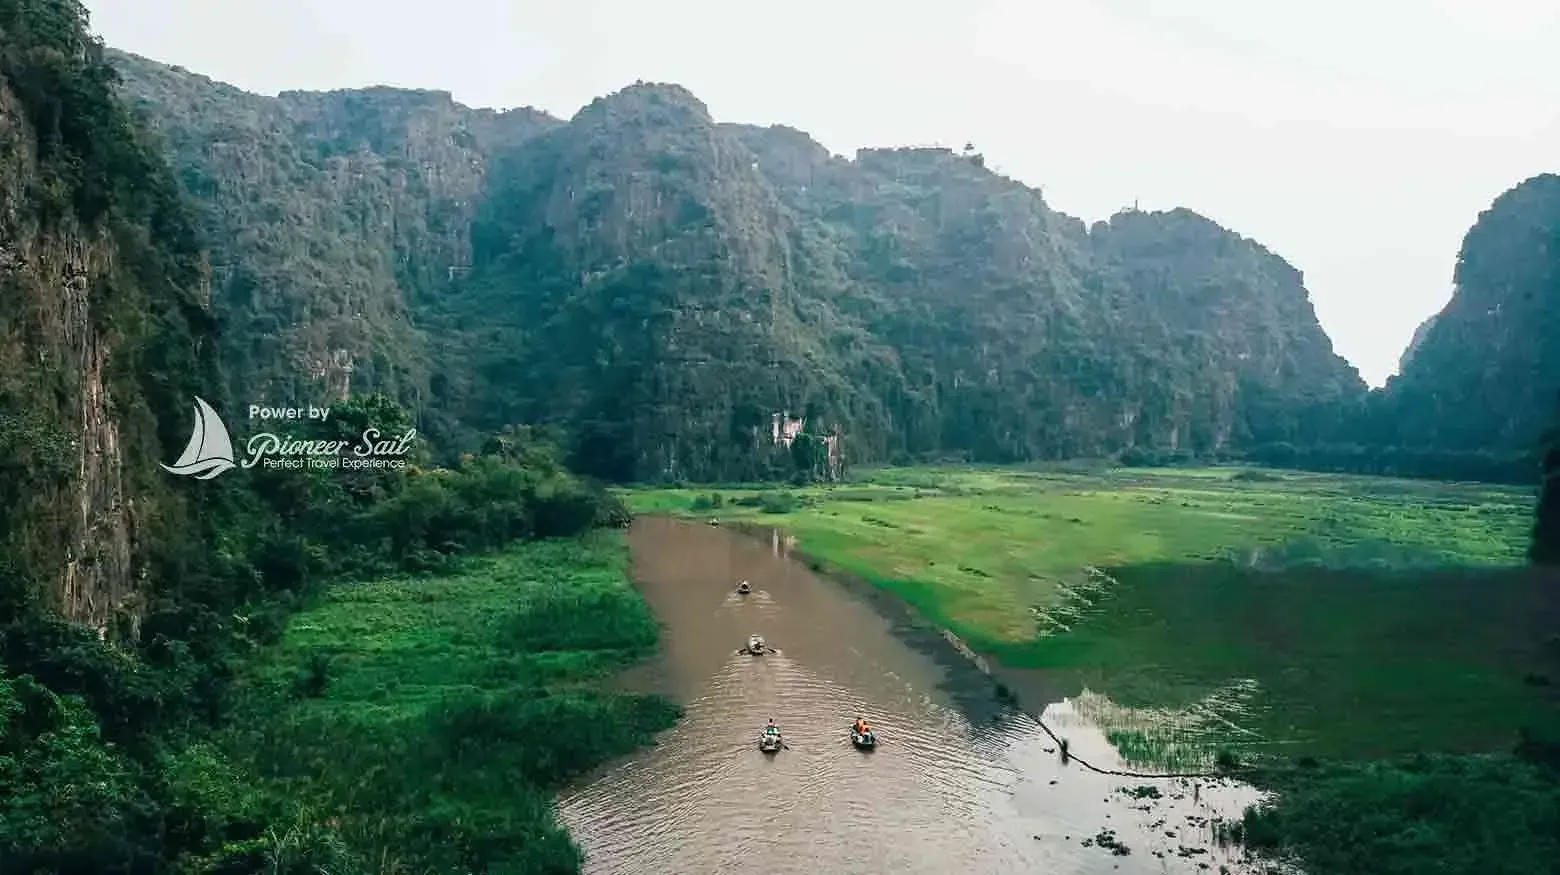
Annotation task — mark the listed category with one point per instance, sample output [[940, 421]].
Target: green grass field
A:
[[981, 550], [1278, 611], [432, 718]]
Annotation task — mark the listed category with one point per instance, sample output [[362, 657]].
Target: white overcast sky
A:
[[1358, 140]]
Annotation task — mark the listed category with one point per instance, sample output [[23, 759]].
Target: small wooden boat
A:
[[863, 741], [744, 588], [770, 742], [755, 646]]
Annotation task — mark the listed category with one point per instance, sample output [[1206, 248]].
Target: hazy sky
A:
[[1358, 140]]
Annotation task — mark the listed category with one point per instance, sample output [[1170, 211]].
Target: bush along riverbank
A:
[[345, 672], [1372, 650]]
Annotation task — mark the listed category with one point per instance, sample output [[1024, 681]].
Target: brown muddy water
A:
[[957, 783]]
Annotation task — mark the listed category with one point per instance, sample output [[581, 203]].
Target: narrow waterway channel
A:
[[953, 787]]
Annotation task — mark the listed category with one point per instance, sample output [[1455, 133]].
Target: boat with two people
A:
[[756, 646], [861, 734], [770, 740]]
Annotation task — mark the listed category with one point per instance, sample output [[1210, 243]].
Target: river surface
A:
[[945, 792]]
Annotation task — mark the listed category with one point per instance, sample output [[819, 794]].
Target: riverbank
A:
[[969, 683], [1314, 623], [429, 720], [1260, 606]]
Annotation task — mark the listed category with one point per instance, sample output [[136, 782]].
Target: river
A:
[[952, 787]]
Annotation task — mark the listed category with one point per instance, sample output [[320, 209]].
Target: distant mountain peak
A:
[[662, 101]]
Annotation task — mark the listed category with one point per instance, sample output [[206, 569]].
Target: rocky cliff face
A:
[[1485, 372], [103, 332], [665, 285], [1158, 329], [328, 216]]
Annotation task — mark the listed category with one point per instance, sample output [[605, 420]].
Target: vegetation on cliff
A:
[[662, 286], [1440, 418], [668, 292], [104, 334], [328, 215]]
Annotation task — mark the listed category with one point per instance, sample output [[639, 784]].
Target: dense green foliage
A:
[[1439, 418], [1422, 816], [326, 215], [103, 334], [120, 717], [662, 286]]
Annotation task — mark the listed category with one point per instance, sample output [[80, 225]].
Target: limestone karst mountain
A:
[[663, 285]]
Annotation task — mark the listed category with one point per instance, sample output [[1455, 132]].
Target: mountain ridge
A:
[[908, 299]]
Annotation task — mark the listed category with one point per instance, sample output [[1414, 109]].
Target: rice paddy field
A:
[[1277, 612]]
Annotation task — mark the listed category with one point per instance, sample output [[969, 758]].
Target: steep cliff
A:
[[1485, 372], [666, 286], [637, 279], [1237, 353], [329, 216], [104, 333], [1027, 335]]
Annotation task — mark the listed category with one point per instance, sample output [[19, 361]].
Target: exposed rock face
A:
[[101, 329], [660, 284], [329, 216]]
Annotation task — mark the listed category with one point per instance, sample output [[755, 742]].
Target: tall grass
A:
[[455, 706]]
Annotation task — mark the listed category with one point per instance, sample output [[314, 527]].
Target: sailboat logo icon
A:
[[210, 450]]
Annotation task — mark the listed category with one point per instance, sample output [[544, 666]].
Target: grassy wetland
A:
[[429, 720], [1373, 642]]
